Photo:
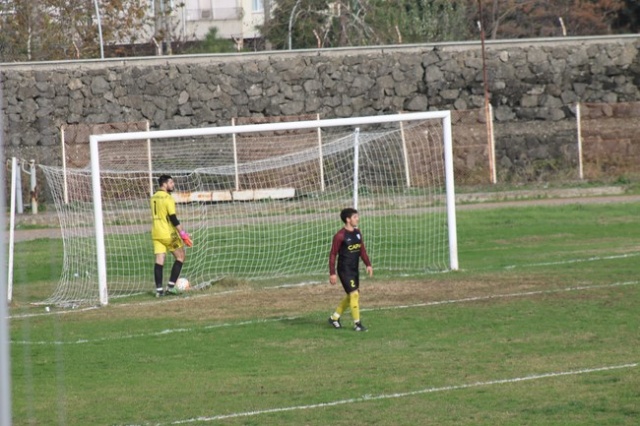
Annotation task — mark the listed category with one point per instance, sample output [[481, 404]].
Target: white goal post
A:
[[261, 200]]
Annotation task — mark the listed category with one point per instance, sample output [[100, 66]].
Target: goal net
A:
[[260, 201]]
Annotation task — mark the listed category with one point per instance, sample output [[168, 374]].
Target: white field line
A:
[[120, 305], [366, 398], [504, 296], [570, 261], [157, 333], [384, 308]]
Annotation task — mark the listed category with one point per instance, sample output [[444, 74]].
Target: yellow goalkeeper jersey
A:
[[162, 206]]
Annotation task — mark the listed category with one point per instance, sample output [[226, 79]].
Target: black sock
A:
[[157, 273], [175, 272]]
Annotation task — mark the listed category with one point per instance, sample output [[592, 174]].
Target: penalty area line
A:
[[366, 398], [503, 296], [571, 261]]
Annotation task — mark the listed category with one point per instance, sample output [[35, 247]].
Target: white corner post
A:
[[235, 156], [98, 221], [15, 174], [405, 157], [492, 147], [33, 186], [579, 130], [149, 163], [450, 188], [19, 201], [65, 184], [356, 159], [320, 158]]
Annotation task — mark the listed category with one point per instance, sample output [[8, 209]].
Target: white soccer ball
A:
[[183, 284]]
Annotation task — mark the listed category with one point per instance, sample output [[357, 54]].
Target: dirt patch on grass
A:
[[245, 303]]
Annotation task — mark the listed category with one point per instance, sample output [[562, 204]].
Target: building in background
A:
[[235, 19]]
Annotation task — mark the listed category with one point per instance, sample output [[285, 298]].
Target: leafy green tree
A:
[[320, 23], [419, 21], [297, 20], [213, 44]]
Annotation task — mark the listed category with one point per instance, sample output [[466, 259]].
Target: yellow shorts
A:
[[163, 245]]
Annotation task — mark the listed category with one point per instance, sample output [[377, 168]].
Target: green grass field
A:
[[539, 327]]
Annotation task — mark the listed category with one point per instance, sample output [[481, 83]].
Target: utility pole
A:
[[162, 27], [267, 23], [166, 11], [99, 19], [157, 26], [291, 19]]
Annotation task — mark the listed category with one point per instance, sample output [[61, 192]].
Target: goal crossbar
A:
[[267, 127]]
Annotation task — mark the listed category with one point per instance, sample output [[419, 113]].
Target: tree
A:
[[545, 18], [320, 23], [628, 20], [305, 16], [213, 44], [65, 29], [419, 21]]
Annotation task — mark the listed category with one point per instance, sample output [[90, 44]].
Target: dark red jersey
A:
[[348, 247]]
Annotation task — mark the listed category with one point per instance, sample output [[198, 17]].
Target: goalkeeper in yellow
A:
[[348, 248], [167, 234]]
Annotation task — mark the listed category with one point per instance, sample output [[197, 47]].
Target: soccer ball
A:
[[183, 284]]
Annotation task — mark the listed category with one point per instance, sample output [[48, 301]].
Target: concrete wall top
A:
[[333, 52]]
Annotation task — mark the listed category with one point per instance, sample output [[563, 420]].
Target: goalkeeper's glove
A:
[[186, 238]]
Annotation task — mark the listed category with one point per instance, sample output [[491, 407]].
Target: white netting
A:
[[257, 205]]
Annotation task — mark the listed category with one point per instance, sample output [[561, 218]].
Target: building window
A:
[[165, 5], [258, 6]]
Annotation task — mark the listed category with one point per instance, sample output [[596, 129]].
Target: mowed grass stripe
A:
[[369, 398]]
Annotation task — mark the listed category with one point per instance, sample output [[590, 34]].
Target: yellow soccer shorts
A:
[[163, 245]]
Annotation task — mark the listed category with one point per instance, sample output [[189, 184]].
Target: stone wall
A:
[[529, 81]]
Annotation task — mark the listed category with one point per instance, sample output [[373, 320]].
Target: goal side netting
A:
[[260, 201]]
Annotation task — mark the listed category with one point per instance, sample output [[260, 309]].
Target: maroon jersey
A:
[[348, 247]]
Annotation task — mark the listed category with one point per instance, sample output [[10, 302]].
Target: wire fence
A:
[[597, 142]]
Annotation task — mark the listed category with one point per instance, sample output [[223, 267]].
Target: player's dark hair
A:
[[163, 179], [347, 213]]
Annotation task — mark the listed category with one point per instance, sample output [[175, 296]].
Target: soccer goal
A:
[[260, 201]]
